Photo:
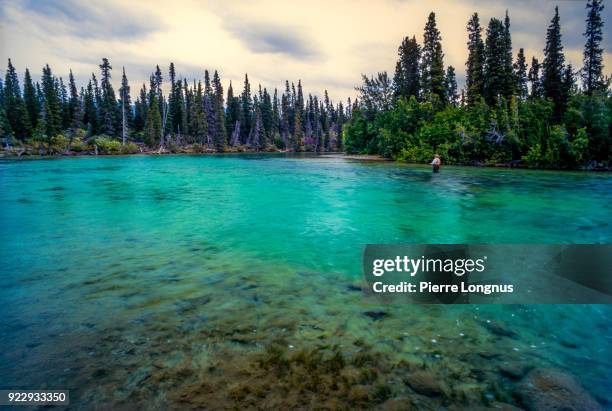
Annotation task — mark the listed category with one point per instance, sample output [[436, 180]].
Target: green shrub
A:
[[579, 146], [130, 148], [106, 145], [58, 143], [78, 145], [279, 143]]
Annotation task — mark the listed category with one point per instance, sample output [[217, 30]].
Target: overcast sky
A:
[[326, 44]]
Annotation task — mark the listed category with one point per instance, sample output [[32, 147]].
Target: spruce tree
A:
[[407, 73], [554, 66], [299, 100], [592, 72], [266, 116], [230, 120], [109, 114], [284, 127], [476, 61], [298, 135], [451, 86], [90, 115], [495, 62], [198, 124], [520, 69], [220, 138], [30, 99], [140, 109], [433, 60], [172, 103], [256, 137], [289, 110], [535, 79], [125, 105], [509, 83], [153, 124], [5, 128], [247, 110], [341, 121], [51, 103], [14, 106], [66, 113], [275, 116], [568, 83]]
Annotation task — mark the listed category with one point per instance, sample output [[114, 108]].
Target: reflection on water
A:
[[222, 282]]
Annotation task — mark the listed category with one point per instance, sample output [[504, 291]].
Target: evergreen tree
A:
[[433, 80], [520, 69], [65, 104], [51, 103], [173, 103], [509, 84], [266, 116], [407, 73], [592, 72], [553, 66], [341, 121], [476, 61], [298, 134], [5, 128], [299, 100], [230, 119], [275, 115], [209, 110], [495, 62], [14, 106], [256, 136], [30, 99], [247, 109], [198, 124], [90, 115], [220, 138], [108, 109], [568, 83], [535, 79], [285, 113], [141, 109], [176, 121], [125, 105], [153, 124], [451, 86]]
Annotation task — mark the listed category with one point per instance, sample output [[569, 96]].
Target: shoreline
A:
[[5, 154]]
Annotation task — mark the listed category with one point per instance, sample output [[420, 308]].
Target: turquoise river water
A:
[[233, 282]]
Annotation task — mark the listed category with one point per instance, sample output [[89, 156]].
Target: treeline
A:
[[510, 111], [58, 116]]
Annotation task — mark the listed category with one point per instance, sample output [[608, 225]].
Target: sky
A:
[[327, 44]]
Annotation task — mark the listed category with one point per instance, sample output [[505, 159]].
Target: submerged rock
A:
[[353, 287], [426, 383], [513, 370], [553, 390], [499, 329], [358, 393], [376, 315]]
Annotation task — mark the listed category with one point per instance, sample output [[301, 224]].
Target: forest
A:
[[510, 111], [54, 117], [539, 114]]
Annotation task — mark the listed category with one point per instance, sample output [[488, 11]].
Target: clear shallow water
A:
[[171, 281]]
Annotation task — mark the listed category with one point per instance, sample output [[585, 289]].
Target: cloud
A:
[[272, 38], [85, 20], [326, 44]]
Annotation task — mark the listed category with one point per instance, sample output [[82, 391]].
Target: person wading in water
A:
[[436, 163]]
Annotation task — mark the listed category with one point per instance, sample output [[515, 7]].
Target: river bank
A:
[[138, 149]]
